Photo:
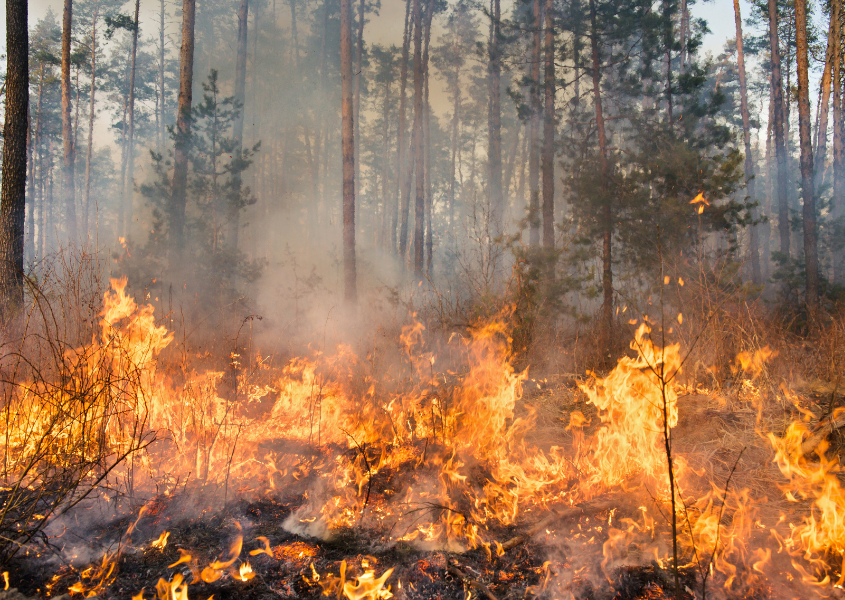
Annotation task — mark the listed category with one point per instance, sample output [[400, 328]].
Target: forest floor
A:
[[720, 435]]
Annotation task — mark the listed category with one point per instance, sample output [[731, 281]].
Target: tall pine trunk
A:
[[401, 169], [13, 183], [68, 184], [130, 141], [33, 159], [350, 288], [823, 113], [746, 136], [548, 163], [607, 213], [89, 155], [234, 206], [494, 127], [419, 157], [780, 143], [534, 143], [161, 93], [453, 163], [429, 239], [386, 204], [811, 252], [179, 189], [359, 73], [838, 137]]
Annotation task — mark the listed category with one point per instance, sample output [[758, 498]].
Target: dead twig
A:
[[467, 580]]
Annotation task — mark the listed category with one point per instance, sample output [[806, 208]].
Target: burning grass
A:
[[417, 469]]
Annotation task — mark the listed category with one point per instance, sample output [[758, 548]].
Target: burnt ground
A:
[[519, 572], [554, 563]]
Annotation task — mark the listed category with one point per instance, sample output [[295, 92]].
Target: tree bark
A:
[[33, 159], [234, 207], [548, 163], [130, 142], [401, 170], [419, 156], [350, 291], [89, 155], [534, 156], [183, 133], [780, 144], [386, 204], [607, 212], [429, 238], [13, 183], [811, 255], [838, 138], [823, 112], [746, 136], [68, 186], [494, 128], [359, 73], [162, 101], [456, 110]]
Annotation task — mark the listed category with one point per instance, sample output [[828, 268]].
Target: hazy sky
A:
[[388, 27]]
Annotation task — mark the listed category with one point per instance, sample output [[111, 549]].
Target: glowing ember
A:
[[245, 572]]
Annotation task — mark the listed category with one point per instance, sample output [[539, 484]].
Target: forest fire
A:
[[542, 299], [435, 472]]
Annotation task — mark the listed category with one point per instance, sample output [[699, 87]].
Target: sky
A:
[[388, 27]]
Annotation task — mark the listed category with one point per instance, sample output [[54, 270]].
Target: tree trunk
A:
[[746, 135], [520, 189], [509, 169], [386, 204], [811, 252], [234, 207], [548, 166], [419, 156], [350, 291], [770, 188], [780, 145], [401, 168], [684, 35], [123, 219], [68, 187], [359, 73], [822, 114], [494, 128], [838, 138], [456, 109], [162, 102], [42, 204], [534, 156], [130, 142], [33, 158], [321, 128], [429, 240], [607, 213], [183, 133], [668, 41], [13, 183], [89, 155]]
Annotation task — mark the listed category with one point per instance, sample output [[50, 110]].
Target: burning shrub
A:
[[68, 426]]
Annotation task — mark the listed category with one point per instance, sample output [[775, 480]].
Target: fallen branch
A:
[[592, 506], [467, 580], [825, 427]]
